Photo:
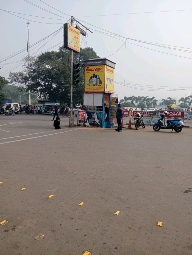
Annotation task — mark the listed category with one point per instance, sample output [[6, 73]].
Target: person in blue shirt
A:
[[119, 115]]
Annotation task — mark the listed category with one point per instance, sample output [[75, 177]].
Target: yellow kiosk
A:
[[99, 86]]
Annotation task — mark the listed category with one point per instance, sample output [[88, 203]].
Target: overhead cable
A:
[[19, 52], [115, 34]]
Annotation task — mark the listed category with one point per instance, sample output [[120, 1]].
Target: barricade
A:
[[81, 117], [174, 114], [147, 120], [125, 119]]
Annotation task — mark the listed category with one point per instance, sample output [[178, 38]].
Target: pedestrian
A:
[[119, 115], [55, 112], [13, 110], [56, 123]]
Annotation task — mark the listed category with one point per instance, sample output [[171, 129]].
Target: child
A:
[[56, 123]]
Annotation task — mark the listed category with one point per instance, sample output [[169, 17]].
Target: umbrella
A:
[[174, 106]]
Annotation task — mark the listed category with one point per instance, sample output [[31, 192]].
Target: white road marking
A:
[[35, 137], [14, 123], [4, 131], [20, 135]]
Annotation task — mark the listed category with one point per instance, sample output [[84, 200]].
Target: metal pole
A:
[[71, 120], [28, 61]]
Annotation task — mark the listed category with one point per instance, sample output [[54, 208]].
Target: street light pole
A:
[[28, 59], [71, 120]]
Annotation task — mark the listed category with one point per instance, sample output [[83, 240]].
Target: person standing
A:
[[13, 110], [55, 112], [119, 115]]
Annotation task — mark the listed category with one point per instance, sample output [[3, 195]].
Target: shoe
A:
[[116, 129]]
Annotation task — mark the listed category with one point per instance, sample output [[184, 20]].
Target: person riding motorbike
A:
[[162, 117], [138, 116], [138, 120]]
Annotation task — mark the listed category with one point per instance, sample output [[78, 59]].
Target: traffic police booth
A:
[[99, 88]]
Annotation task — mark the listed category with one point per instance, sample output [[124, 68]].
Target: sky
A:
[[150, 41]]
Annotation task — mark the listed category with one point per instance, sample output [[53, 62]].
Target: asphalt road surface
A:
[[144, 176]]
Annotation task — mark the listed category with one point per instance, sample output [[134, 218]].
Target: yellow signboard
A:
[[95, 78], [99, 79], [109, 79], [71, 38]]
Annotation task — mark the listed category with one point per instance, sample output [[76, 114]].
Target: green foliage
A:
[[168, 101], [3, 82], [18, 94], [139, 102], [49, 76], [185, 102]]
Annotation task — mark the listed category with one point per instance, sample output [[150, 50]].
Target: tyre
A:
[[143, 125], [156, 127], [177, 129]]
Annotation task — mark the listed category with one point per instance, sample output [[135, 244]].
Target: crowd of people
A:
[[34, 109]]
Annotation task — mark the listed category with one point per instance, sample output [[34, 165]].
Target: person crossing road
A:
[[55, 112]]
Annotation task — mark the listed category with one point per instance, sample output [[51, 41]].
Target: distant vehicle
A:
[[47, 109], [11, 105]]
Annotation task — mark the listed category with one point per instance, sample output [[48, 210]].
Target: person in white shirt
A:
[[13, 110]]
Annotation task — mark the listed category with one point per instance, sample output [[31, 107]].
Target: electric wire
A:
[[50, 39], [39, 22], [24, 61], [117, 50], [140, 41], [133, 13], [25, 14], [142, 46], [132, 85], [19, 52]]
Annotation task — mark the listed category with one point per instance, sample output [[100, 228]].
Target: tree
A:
[[141, 105], [49, 76], [168, 101], [18, 94], [3, 82], [185, 102]]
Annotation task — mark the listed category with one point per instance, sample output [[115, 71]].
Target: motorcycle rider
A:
[[162, 117]]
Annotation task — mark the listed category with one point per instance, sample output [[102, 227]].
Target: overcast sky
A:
[[142, 68]]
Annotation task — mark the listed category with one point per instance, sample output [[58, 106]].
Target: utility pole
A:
[[71, 120], [72, 80], [28, 60]]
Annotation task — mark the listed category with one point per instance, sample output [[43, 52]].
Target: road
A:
[[145, 175]]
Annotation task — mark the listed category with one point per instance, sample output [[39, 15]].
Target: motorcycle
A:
[[8, 112], [139, 123], [176, 125]]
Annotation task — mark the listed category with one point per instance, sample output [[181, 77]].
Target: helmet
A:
[[165, 112]]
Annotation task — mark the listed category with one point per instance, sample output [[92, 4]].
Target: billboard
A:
[[95, 78], [71, 38], [99, 78], [109, 79]]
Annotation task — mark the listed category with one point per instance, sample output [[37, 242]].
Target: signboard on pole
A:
[[71, 38]]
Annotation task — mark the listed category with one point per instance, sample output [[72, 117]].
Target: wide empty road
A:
[[143, 176]]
